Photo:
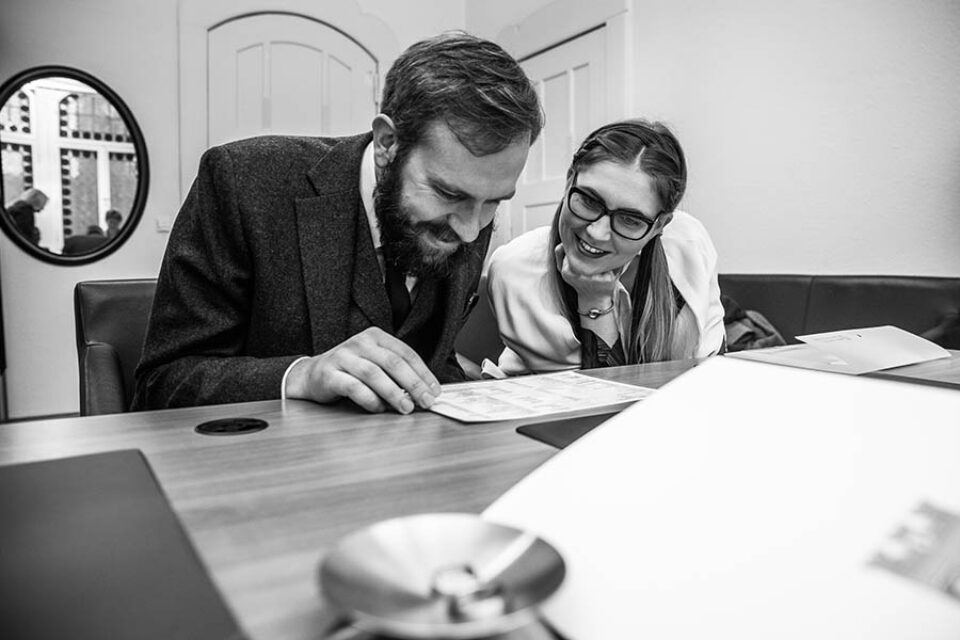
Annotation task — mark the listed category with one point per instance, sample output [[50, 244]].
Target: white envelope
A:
[[875, 348], [852, 351]]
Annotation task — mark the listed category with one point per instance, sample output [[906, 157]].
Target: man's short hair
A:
[[471, 84], [113, 214]]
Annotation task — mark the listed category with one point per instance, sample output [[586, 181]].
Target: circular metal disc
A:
[[444, 575]]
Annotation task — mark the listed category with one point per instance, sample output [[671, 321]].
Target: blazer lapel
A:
[[423, 306], [338, 262], [326, 252], [369, 292]]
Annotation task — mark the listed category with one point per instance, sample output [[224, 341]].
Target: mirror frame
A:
[[13, 84]]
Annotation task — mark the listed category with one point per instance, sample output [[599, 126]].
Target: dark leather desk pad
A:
[[561, 432], [90, 548]]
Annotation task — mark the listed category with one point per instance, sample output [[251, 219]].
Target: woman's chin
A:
[[589, 266]]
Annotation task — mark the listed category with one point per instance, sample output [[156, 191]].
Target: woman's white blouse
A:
[[529, 311]]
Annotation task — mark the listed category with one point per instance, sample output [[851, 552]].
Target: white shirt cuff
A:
[[283, 383]]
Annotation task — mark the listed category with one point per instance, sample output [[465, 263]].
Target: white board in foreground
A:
[[752, 501]]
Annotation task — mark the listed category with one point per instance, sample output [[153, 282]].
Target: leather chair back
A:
[[111, 319], [800, 304], [913, 303], [782, 299]]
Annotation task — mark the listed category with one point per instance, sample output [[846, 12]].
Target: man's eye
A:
[[450, 197]]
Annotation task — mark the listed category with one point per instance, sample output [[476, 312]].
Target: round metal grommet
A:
[[231, 426]]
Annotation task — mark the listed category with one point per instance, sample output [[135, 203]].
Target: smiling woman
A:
[[622, 276], [74, 164]]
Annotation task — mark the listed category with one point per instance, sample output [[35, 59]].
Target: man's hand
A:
[[373, 368]]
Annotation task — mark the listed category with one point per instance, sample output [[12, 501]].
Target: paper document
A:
[[755, 502], [852, 351], [532, 396]]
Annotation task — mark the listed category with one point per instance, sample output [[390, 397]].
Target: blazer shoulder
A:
[[275, 160], [267, 150], [259, 148]]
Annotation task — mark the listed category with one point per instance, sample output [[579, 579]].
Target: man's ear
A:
[[385, 141]]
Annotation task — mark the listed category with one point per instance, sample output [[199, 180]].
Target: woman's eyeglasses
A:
[[627, 223]]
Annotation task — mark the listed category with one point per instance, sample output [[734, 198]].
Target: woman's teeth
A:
[[588, 249]]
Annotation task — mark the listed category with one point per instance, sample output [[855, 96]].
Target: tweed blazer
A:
[[270, 259]]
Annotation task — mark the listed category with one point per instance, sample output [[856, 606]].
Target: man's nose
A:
[[466, 224]]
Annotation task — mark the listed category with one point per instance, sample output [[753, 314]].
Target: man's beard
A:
[[402, 237]]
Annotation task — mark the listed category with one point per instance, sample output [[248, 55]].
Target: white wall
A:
[[822, 136], [485, 18], [131, 45], [413, 20]]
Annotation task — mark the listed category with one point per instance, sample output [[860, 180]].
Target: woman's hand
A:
[[594, 291]]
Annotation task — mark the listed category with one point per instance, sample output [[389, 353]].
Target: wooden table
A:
[[944, 372], [263, 508]]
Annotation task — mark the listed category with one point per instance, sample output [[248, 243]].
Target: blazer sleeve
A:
[[194, 347]]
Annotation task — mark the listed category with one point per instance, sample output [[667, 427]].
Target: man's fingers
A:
[[391, 369], [372, 376], [404, 376], [409, 363], [347, 386], [373, 368]]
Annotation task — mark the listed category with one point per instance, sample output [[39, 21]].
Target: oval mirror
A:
[[74, 166]]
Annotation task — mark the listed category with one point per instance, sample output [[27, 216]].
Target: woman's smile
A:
[[589, 250]]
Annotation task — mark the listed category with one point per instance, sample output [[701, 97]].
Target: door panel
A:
[[249, 94], [570, 79], [286, 74]]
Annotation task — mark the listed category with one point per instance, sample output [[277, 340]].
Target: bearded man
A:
[[328, 268]]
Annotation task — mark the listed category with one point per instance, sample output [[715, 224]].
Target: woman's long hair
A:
[[652, 148]]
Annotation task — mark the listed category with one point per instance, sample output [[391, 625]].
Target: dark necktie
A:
[[398, 294]]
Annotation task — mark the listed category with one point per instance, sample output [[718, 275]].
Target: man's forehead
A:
[[444, 160]]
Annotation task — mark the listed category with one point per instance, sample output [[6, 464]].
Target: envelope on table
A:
[[875, 348]]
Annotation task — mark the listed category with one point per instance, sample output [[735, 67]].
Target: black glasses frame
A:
[[609, 212]]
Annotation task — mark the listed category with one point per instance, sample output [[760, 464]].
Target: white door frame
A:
[[196, 17], [562, 20]]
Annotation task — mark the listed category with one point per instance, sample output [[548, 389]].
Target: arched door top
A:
[[196, 18], [323, 22]]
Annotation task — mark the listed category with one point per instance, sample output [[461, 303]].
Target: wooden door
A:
[[302, 69], [571, 81], [578, 55]]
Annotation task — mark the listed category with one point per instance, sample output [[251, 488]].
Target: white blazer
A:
[[530, 316]]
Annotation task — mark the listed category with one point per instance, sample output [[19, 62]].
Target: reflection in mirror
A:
[[74, 166]]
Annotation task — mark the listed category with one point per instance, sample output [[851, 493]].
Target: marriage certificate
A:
[[532, 396]]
